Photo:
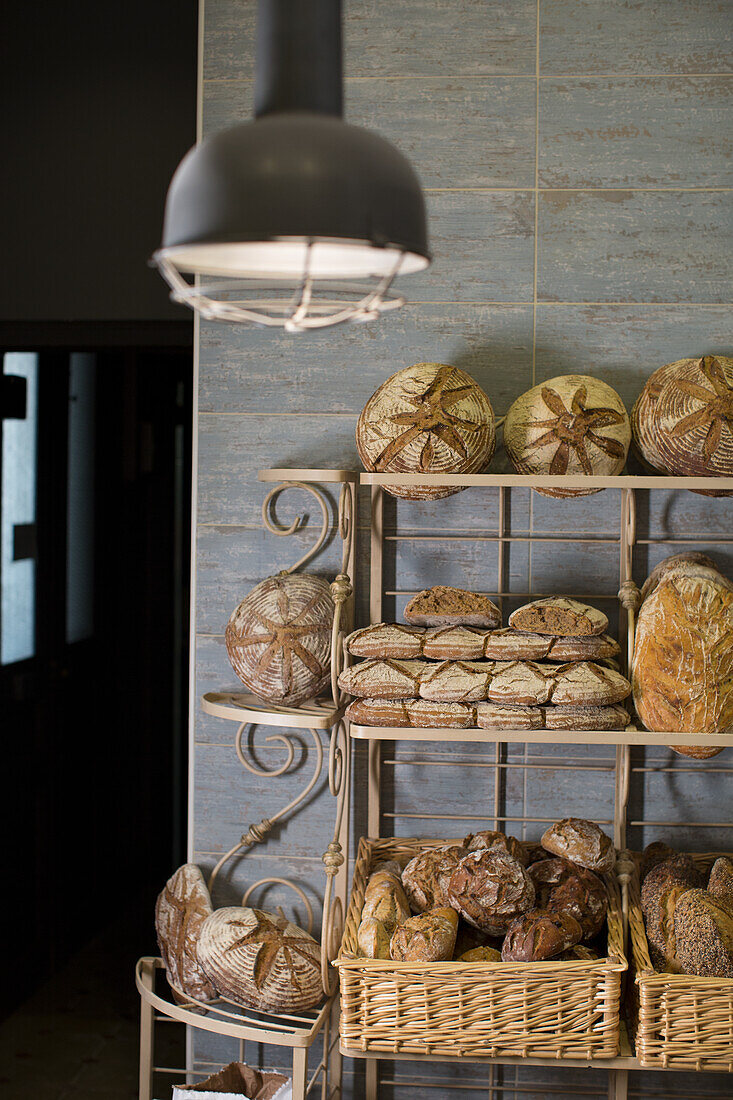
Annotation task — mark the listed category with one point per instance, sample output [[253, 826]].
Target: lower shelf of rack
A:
[[242, 706], [629, 736]]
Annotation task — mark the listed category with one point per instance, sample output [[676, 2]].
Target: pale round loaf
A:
[[581, 841], [387, 640], [260, 960], [682, 669], [279, 638], [683, 419], [428, 418], [571, 424], [180, 911]]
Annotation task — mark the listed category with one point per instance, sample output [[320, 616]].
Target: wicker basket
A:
[[544, 1009], [680, 1021]]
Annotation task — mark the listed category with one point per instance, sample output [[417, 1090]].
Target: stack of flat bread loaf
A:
[[492, 898], [689, 924], [453, 666]]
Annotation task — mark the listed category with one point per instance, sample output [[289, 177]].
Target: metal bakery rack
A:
[[295, 1032], [299, 1033]]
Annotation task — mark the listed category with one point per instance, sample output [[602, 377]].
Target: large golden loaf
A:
[[428, 418], [682, 671]]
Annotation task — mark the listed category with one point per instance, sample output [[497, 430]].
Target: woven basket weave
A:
[[681, 1021], [544, 1009]]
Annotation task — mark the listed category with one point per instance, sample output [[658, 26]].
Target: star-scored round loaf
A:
[[180, 911], [682, 421], [428, 418], [279, 638], [572, 424], [260, 960]]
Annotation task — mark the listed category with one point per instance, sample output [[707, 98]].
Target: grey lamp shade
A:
[[250, 201]]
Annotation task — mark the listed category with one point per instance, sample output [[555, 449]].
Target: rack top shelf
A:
[[547, 481], [629, 736], [319, 714], [308, 475]]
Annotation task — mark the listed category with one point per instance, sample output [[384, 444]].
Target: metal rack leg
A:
[[372, 1079], [147, 1034], [618, 1084], [335, 1058], [300, 1072]]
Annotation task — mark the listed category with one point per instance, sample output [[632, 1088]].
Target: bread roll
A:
[[682, 669], [720, 883], [443, 605], [583, 896], [425, 878], [582, 842], [489, 888], [384, 899], [427, 418], [559, 615], [428, 937], [540, 934], [703, 927]]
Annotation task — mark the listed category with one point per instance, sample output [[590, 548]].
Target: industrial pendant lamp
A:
[[294, 219]]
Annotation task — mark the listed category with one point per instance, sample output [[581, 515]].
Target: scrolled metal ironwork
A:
[[269, 518]]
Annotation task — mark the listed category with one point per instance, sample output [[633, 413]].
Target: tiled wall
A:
[[576, 158]]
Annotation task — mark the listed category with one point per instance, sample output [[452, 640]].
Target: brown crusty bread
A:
[[687, 561], [562, 886], [654, 853], [661, 890], [425, 878], [480, 954], [489, 888], [582, 842], [703, 927], [373, 938], [720, 883], [180, 911], [559, 615], [428, 937], [416, 713], [493, 838], [540, 934], [443, 605]]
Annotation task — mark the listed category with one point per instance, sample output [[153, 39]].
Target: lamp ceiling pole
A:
[[299, 57]]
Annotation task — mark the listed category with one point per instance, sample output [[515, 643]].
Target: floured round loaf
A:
[[403, 713], [279, 638], [571, 424], [490, 888], [683, 419], [387, 640], [454, 643], [260, 960], [493, 838], [443, 605], [559, 615], [425, 878], [383, 679], [682, 668], [428, 418], [581, 841], [427, 937], [180, 911], [456, 681]]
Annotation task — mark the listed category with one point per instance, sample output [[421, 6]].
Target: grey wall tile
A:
[[658, 36], [634, 132], [635, 246], [337, 370], [442, 37]]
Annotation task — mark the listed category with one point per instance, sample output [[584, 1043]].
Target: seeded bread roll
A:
[[657, 852], [480, 954], [660, 893], [558, 615], [373, 938], [489, 888], [492, 838], [703, 927], [387, 640], [540, 934], [429, 937], [403, 713], [425, 878], [720, 883], [454, 643], [443, 605], [582, 842]]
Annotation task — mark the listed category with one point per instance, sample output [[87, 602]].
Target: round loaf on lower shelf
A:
[[490, 888], [540, 934], [428, 937], [403, 713], [580, 841], [425, 878]]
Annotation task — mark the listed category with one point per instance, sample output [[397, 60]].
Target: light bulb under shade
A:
[[293, 259]]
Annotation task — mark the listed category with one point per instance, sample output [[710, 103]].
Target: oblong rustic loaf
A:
[[662, 888], [682, 668], [559, 615], [180, 911], [260, 960], [427, 418], [571, 424], [279, 638]]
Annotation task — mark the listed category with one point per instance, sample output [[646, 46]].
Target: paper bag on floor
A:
[[236, 1081]]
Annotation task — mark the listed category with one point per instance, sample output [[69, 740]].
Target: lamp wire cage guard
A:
[[295, 305]]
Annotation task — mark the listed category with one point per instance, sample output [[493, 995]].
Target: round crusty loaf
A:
[[571, 424], [682, 668], [428, 418], [180, 911], [425, 878], [682, 421], [480, 954], [489, 888], [720, 883], [279, 638], [582, 842], [492, 838], [540, 934], [427, 937], [387, 640], [454, 643], [567, 887], [703, 926], [559, 615], [260, 960], [383, 679]]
